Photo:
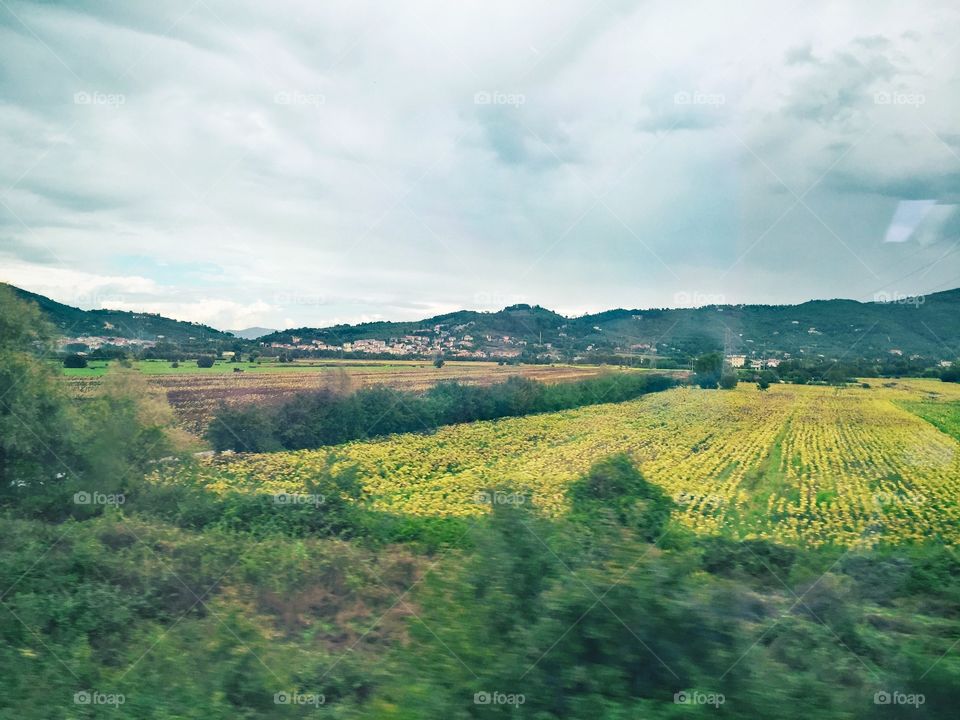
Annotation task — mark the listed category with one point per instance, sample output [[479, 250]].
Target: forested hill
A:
[[926, 325], [74, 322]]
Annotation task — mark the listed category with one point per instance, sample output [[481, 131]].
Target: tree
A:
[[205, 362], [49, 449], [762, 384], [247, 429], [707, 369], [75, 360], [728, 380], [34, 410], [836, 375], [438, 361], [769, 377], [952, 373]]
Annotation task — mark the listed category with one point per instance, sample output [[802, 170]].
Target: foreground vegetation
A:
[[614, 611]]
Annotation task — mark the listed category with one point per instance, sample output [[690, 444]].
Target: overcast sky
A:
[[287, 164]]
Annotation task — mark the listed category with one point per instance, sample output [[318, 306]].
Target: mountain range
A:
[[924, 325]]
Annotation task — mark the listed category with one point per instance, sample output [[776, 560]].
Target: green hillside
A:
[[928, 326], [74, 322]]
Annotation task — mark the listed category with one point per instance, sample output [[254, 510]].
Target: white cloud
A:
[[378, 185]]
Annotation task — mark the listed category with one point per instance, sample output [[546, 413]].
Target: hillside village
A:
[[454, 343]]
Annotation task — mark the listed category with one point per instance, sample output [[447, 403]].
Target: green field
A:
[[98, 368], [945, 416]]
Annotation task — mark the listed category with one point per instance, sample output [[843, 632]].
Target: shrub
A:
[[242, 429], [205, 362], [327, 418], [728, 381], [74, 361], [951, 374]]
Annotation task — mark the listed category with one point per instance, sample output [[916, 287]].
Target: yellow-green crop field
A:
[[798, 464]]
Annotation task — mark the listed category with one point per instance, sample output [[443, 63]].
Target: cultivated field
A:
[[800, 464], [195, 393]]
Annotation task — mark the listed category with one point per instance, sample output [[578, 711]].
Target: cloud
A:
[[231, 157], [75, 287]]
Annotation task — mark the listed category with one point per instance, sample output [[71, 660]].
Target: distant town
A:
[[438, 342]]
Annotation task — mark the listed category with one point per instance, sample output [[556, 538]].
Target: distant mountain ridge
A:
[[252, 333], [926, 325]]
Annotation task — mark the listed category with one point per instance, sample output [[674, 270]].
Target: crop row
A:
[[796, 463]]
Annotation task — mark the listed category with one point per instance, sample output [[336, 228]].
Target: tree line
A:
[[327, 418]]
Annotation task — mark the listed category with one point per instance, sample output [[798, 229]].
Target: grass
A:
[[98, 368], [945, 416]]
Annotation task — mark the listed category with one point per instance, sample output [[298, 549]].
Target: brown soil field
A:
[[195, 397]]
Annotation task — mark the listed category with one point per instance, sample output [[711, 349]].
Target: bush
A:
[[74, 361], [205, 362], [728, 381], [326, 418], [50, 448], [243, 430]]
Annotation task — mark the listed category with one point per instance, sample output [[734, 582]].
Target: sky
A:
[[286, 164]]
